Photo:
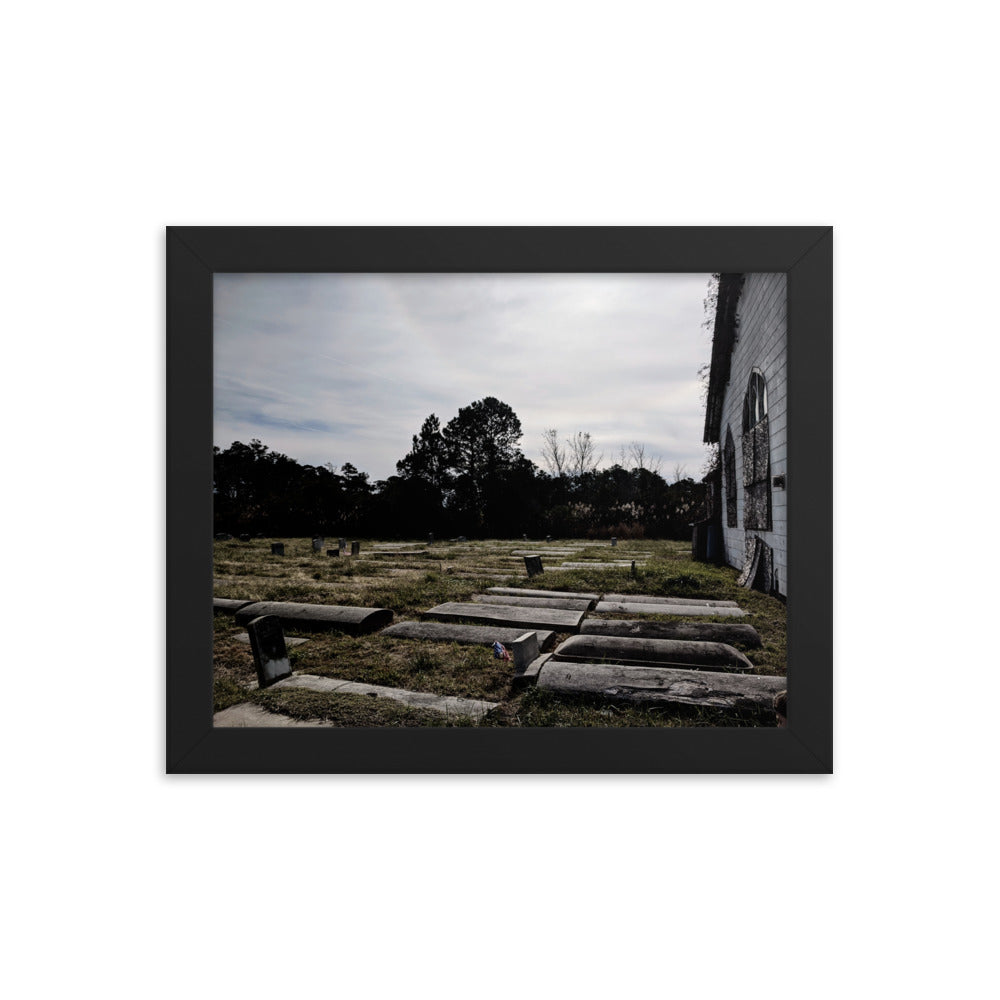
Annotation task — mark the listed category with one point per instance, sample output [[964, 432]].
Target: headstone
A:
[[260, 534], [548, 538], [524, 538], [533, 564], [223, 536], [628, 608], [269, 654], [462, 538], [524, 650], [698, 631], [277, 548], [318, 544], [614, 542], [244, 538], [635, 575], [342, 544], [560, 603], [504, 615], [333, 552], [355, 548], [469, 635], [430, 538], [653, 652], [521, 592]]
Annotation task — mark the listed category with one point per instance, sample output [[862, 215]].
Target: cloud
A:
[[346, 367]]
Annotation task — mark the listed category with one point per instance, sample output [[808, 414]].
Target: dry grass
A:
[[411, 582]]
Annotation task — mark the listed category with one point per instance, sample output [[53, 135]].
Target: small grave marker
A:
[[614, 542], [277, 548], [318, 544], [548, 538], [244, 538], [635, 575], [430, 538], [355, 548], [269, 653], [342, 544], [223, 536], [533, 564], [333, 552]]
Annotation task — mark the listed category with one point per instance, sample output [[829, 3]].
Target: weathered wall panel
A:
[[761, 342]]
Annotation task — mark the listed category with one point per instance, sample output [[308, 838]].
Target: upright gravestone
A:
[[277, 548], [318, 544], [533, 564], [355, 548], [223, 536], [635, 576], [548, 538], [244, 538], [269, 654], [342, 544], [430, 538], [614, 542]]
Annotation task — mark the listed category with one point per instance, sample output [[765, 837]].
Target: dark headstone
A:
[[223, 536], [333, 552], [548, 538], [462, 538], [318, 544], [635, 575], [614, 542], [355, 548], [342, 544], [430, 538], [533, 564], [277, 548], [244, 538], [269, 654]]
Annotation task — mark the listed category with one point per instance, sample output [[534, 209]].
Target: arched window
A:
[[729, 468], [756, 455]]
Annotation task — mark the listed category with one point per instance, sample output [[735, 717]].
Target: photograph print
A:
[[500, 500]]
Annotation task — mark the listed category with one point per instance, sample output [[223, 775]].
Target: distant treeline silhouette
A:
[[467, 478]]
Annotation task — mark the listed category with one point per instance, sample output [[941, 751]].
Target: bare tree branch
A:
[[553, 453]]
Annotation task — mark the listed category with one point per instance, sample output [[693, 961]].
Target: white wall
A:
[[761, 340]]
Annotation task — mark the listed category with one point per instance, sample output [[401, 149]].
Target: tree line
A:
[[468, 477]]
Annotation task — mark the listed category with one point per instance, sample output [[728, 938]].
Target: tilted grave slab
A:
[[597, 564], [508, 615], [520, 592], [707, 689], [354, 621], [652, 652], [563, 603], [624, 607], [649, 599], [467, 635], [228, 606], [746, 635]]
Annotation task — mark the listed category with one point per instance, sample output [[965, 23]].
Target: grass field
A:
[[411, 579]]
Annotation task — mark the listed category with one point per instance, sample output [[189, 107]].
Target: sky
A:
[[345, 367]]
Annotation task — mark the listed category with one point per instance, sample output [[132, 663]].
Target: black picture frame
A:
[[196, 253]]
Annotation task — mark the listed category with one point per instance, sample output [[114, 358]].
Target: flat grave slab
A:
[[354, 621], [520, 592], [649, 599], [563, 603], [698, 631], [596, 564], [448, 704], [652, 652], [661, 684], [508, 615], [250, 716], [622, 607], [467, 635]]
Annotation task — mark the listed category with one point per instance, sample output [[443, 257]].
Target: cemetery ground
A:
[[410, 578]]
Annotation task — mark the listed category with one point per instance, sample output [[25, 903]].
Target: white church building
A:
[[746, 416]]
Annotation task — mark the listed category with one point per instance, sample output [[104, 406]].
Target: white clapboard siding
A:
[[761, 342]]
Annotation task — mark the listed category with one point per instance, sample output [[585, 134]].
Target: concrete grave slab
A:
[[595, 564], [521, 592], [621, 607], [563, 603], [354, 621], [747, 635], [228, 606], [448, 704], [652, 652], [662, 684], [647, 599], [249, 716], [467, 635], [513, 617]]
